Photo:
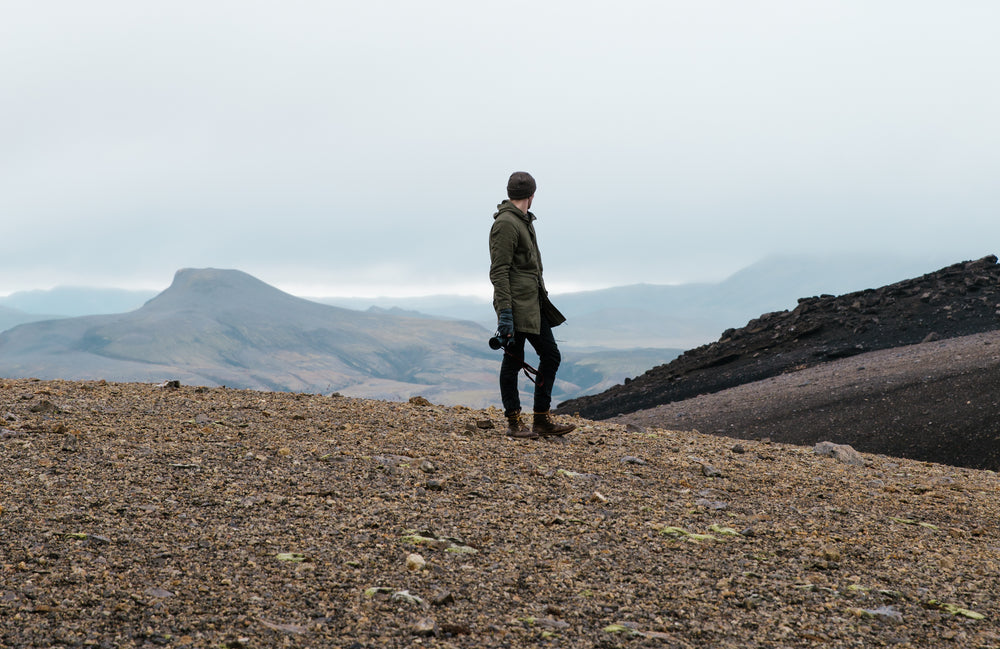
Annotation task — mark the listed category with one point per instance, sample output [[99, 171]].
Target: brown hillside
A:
[[137, 516]]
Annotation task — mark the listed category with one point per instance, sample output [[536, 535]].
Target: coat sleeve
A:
[[503, 242]]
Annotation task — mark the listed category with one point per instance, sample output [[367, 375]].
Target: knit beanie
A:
[[521, 185]]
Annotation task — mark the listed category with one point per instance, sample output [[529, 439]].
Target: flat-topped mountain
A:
[[225, 327]]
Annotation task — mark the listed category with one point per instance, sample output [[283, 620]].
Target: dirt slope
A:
[[959, 300], [937, 401], [135, 516]]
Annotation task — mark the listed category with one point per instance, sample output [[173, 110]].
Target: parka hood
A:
[[507, 206]]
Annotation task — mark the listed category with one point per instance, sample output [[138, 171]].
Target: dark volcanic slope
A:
[[959, 300], [936, 401]]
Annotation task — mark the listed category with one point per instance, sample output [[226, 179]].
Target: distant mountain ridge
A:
[[12, 317], [958, 300], [225, 327], [71, 301], [683, 315]]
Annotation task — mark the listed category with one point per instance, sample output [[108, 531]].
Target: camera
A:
[[496, 342]]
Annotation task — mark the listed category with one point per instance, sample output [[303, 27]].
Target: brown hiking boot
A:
[[516, 428], [545, 427]]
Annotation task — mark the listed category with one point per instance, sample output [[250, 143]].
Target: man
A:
[[524, 312]]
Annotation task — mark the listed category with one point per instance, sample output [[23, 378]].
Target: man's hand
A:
[[505, 326]]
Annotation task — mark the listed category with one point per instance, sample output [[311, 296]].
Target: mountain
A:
[[958, 300], [68, 301], [684, 315], [12, 317], [224, 327]]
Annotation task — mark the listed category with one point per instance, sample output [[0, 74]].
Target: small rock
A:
[[415, 562], [631, 459], [549, 623], [717, 505], [485, 424], [420, 401], [633, 428], [598, 497], [170, 385], [455, 629], [405, 596], [427, 466], [739, 449], [285, 628], [841, 452], [885, 613], [434, 485], [425, 627], [443, 598], [45, 407], [710, 471], [70, 443]]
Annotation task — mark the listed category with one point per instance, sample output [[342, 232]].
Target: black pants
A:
[[549, 358]]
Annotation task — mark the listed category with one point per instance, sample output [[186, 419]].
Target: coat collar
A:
[[507, 206]]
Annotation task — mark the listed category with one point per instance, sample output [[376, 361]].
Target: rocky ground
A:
[[143, 516], [959, 300]]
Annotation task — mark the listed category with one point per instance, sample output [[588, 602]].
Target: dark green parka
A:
[[516, 270]]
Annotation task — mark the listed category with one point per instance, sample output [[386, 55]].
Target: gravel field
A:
[[135, 515]]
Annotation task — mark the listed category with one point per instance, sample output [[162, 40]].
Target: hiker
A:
[[524, 311]]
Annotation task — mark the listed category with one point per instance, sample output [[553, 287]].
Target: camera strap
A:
[[528, 370]]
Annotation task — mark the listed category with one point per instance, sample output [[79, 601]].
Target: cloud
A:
[[671, 140]]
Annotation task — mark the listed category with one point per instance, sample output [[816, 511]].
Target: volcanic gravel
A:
[[937, 401], [135, 515], [959, 300]]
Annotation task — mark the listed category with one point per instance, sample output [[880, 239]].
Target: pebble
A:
[[415, 562], [424, 626], [710, 471], [443, 598], [843, 453]]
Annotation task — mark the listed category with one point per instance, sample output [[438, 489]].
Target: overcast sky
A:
[[338, 148]]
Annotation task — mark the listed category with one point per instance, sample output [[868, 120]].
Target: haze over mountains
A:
[[224, 327], [626, 317], [227, 328]]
